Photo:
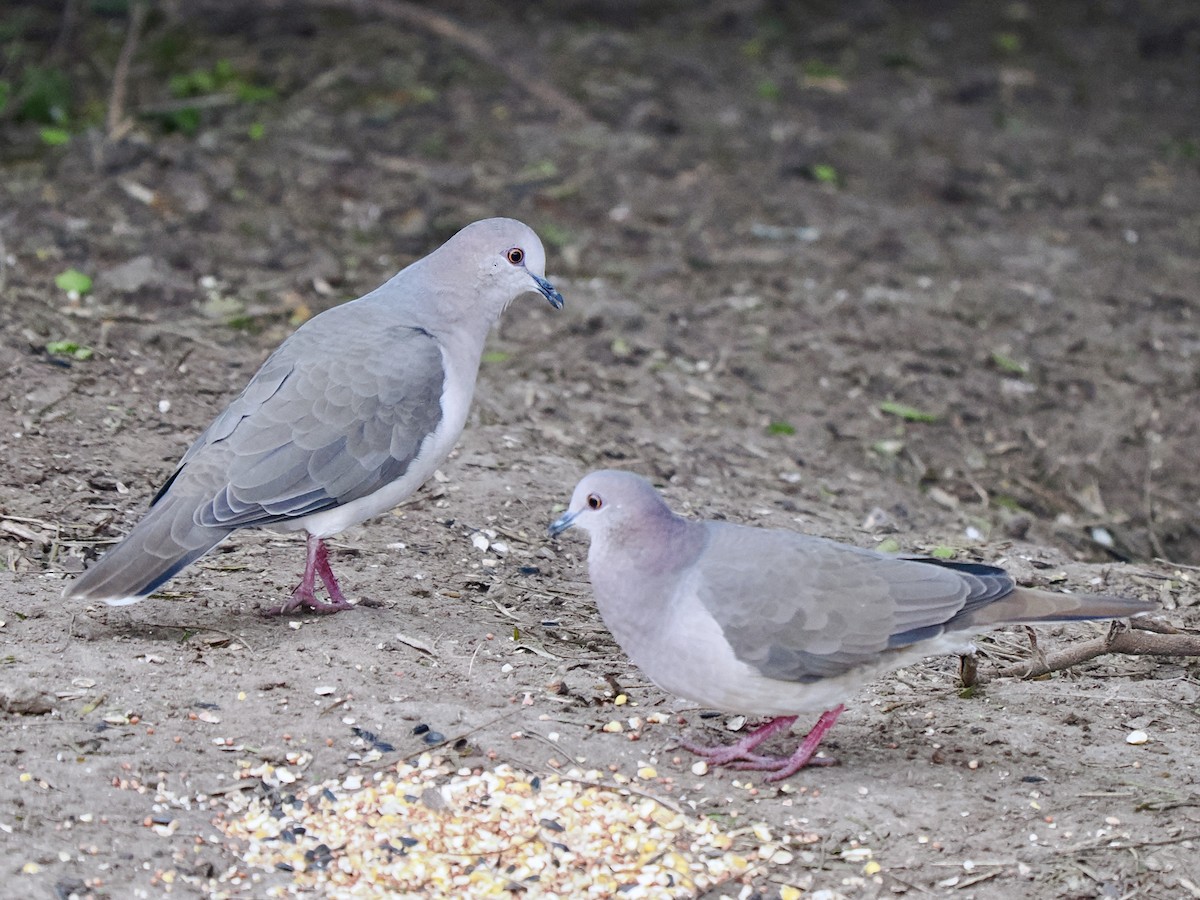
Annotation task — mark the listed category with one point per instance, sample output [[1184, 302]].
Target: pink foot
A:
[[739, 755], [724, 756], [804, 755], [305, 596]]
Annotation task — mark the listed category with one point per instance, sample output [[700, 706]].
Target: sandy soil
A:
[[768, 223]]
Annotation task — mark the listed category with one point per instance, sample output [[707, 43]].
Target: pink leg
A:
[[739, 755], [804, 753], [723, 756], [305, 595]]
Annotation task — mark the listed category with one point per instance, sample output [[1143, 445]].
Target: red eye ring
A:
[[594, 501], [516, 256]]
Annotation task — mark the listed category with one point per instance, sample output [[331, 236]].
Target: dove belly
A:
[[455, 404], [692, 659]]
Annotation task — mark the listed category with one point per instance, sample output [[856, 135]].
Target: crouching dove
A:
[[343, 421], [776, 623]]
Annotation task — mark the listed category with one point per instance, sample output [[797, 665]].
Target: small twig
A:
[[118, 123], [26, 534], [1118, 640], [66, 31], [1177, 565], [3, 257], [505, 612], [1107, 843], [1155, 624], [199, 629], [536, 651], [1148, 498], [426, 19], [207, 101]]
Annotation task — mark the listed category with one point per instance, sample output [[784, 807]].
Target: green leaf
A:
[[542, 169], [44, 95], [906, 412], [752, 49], [814, 68], [185, 121], [5, 93], [73, 280], [554, 235], [824, 173], [768, 90], [781, 428], [496, 356], [888, 545], [54, 137], [1008, 364], [256, 131], [69, 348], [253, 93], [943, 552], [1007, 42]]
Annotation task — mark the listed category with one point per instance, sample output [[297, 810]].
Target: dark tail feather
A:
[[160, 545], [1029, 605]]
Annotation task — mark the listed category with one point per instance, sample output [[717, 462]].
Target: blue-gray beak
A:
[[546, 289], [563, 522]]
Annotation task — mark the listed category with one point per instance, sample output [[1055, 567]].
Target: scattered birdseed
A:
[[490, 833]]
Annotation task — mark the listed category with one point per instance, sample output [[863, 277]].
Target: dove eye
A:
[[594, 501], [516, 256]]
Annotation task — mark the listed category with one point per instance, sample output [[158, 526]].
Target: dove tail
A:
[[160, 545], [1030, 605]]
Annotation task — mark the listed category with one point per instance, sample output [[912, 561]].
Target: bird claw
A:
[[304, 596], [739, 755], [311, 604], [299, 602], [733, 756]]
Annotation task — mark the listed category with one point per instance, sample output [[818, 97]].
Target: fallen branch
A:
[[118, 123], [1139, 642], [424, 18]]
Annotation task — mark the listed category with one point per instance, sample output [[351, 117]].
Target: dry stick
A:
[[66, 31], [1148, 499], [198, 629], [426, 19], [1134, 643], [118, 124]]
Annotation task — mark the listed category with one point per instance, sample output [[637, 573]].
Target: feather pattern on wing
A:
[[823, 608], [319, 426]]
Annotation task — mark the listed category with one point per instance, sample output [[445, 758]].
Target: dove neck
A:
[[661, 545], [438, 311]]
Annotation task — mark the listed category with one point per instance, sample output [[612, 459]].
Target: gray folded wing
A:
[[799, 608], [334, 415]]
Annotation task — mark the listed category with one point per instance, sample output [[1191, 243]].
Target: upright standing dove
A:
[[776, 623], [350, 415]]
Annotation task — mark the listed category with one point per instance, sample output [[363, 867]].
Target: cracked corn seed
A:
[[485, 834]]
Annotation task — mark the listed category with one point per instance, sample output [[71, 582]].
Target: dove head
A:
[[502, 258], [614, 505]]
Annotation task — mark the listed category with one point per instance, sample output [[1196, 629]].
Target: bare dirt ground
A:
[[769, 222]]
